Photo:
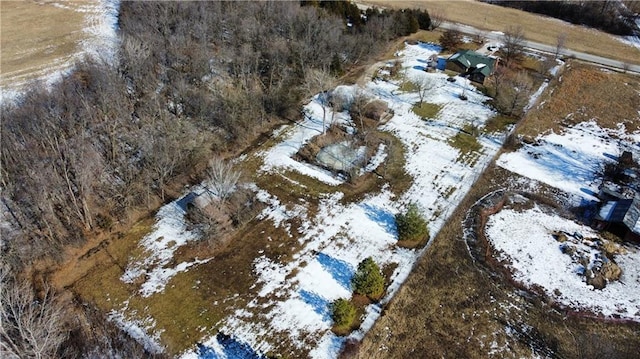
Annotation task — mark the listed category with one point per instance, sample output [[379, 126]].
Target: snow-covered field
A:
[[525, 240], [570, 161], [291, 299]]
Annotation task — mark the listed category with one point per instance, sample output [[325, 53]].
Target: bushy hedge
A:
[[411, 225]]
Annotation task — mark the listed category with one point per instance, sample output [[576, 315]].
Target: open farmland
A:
[[537, 28], [40, 39]]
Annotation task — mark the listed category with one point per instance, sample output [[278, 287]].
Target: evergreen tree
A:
[[343, 312], [368, 280], [411, 225]]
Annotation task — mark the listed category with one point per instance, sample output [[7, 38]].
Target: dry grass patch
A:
[[583, 93], [466, 142], [193, 302], [426, 110], [537, 28], [499, 123], [38, 36]]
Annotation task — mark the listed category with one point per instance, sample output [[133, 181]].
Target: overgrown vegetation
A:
[[412, 227]]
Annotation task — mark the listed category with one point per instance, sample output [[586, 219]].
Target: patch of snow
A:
[[169, 233], [524, 239], [376, 160], [568, 161], [138, 330]]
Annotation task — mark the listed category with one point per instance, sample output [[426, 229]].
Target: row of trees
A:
[[369, 281], [608, 15], [405, 21]]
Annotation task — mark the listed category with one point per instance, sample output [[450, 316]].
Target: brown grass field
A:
[[37, 37], [537, 28], [583, 93]]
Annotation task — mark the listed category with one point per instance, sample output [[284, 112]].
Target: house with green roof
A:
[[471, 64]]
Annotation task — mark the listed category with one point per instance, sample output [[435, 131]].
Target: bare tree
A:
[[496, 79], [479, 36], [30, 327], [360, 100], [561, 42], [437, 18], [222, 178], [319, 82], [514, 94], [423, 86], [450, 39], [513, 48]]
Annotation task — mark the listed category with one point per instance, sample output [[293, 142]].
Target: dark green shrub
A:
[[368, 280], [411, 225]]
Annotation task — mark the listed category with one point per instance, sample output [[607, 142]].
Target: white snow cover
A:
[[568, 161], [138, 329], [525, 239]]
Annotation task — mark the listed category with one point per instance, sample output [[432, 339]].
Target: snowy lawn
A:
[[525, 240], [569, 161], [340, 236]]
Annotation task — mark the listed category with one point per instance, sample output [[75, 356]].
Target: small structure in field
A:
[[622, 216], [471, 64], [377, 110]]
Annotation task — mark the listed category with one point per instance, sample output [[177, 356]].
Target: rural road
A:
[[497, 37]]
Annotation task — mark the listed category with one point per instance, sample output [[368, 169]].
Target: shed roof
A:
[[625, 211]]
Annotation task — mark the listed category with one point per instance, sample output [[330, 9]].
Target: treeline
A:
[[609, 15], [406, 21], [192, 80]]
